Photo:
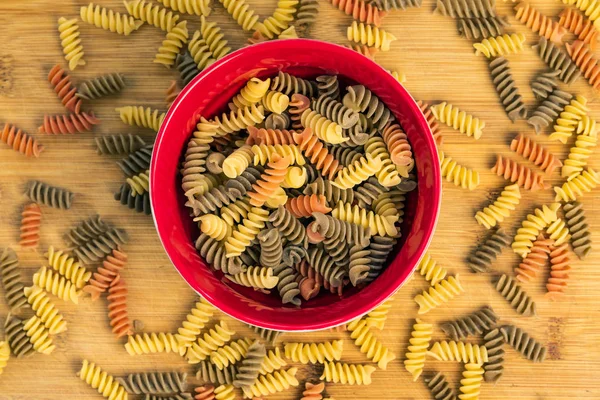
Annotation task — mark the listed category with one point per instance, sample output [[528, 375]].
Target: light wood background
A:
[[439, 65]]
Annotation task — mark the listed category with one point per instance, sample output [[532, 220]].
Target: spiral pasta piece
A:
[[98, 379], [581, 239], [270, 137], [351, 374], [582, 56], [64, 89], [431, 270], [154, 382], [559, 232], [191, 7], [152, 14], [273, 361], [325, 266], [518, 174], [264, 154], [558, 60], [484, 255], [360, 11], [511, 100], [536, 153], [578, 156], [532, 226], [306, 14], [68, 124], [482, 27], [109, 20], [457, 119], [240, 119], [56, 284], [559, 271], [106, 274], [17, 338], [476, 323], [172, 45], [230, 354], [523, 343], [306, 205], [241, 12], [214, 227], [290, 85], [388, 174], [549, 110], [377, 317], [281, 19], [31, 219], [20, 141], [383, 226], [101, 86], [470, 385], [257, 277], [295, 178], [431, 121], [397, 144], [200, 53], [335, 111], [515, 295], [370, 36], [269, 181], [249, 367], [144, 117], [153, 343], [272, 383], [117, 308], [569, 119], [582, 183], [39, 336], [202, 348], [194, 322], [70, 42], [495, 213], [11, 280], [535, 261], [544, 84], [439, 387], [214, 38], [118, 144], [577, 24], [396, 4], [314, 352], [501, 45], [139, 183], [466, 9], [251, 94], [463, 177], [68, 267], [441, 293], [369, 344], [4, 355], [358, 172], [290, 227], [494, 343], [317, 153], [361, 99], [328, 86], [45, 310], [275, 102], [539, 23], [459, 351], [324, 129], [587, 126]]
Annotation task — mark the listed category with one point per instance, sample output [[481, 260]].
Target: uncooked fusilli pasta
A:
[[109, 20], [98, 379], [457, 119], [485, 254], [473, 324], [581, 239], [515, 295], [70, 41], [507, 90], [558, 60]]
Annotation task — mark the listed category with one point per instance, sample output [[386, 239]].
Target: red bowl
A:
[[209, 94]]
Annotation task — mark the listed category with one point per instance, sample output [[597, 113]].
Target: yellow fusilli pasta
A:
[[377, 317], [457, 119], [276, 102], [144, 117], [211, 341], [240, 119], [268, 384], [237, 162], [459, 351], [295, 178], [151, 13], [495, 213], [139, 183], [194, 322], [370, 36], [58, 285], [39, 336], [230, 354], [431, 270], [252, 93], [215, 227], [273, 361], [240, 11], [383, 226], [578, 156], [257, 277], [532, 226], [350, 374], [369, 344], [441, 293], [461, 176], [98, 379], [326, 130], [470, 385], [500, 45], [45, 310], [153, 343], [245, 232], [108, 19], [357, 172], [71, 42], [559, 232], [314, 352], [68, 267], [388, 174], [582, 183], [171, 46], [264, 153], [587, 126], [417, 348], [569, 118], [282, 17], [192, 7], [214, 38]]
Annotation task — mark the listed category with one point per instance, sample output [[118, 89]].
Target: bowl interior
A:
[[208, 95]]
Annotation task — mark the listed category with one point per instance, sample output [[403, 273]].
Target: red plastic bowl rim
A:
[[397, 281]]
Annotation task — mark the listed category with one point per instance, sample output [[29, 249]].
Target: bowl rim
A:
[[398, 282]]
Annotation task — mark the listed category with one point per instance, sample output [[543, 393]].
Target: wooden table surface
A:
[[439, 65]]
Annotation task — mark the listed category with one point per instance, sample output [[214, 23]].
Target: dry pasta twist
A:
[[313, 391], [587, 126], [558, 60], [544, 84], [70, 41], [273, 361], [358, 172], [459, 351], [51, 196], [106, 274], [230, 354], [314, 352], [495, 213], [396, 4], [58, 285], [569, 119], [109, 20], [194, 322], [439, 387], [117, 308], [397, 144], [476, 323], [577, 24], [275, 24], [306, 14], [388, 174], [290, 85], [328, 86], [539, 23], [584, 58], [139, 183], [241, 12], [20, 141], [11, 280], [17, 338], [246, 231], [251, 94], [4, 355], [317, 153], [559, 232], [332, 194], [501, 45], [211, 341], [31, 221], [325, 266], [186, 66], [268, 384], [154, 382], [250, 365], [240, 119], [290, 227], [535, 261], [370, 36], [200, 52], [523, 343], [441, 293], [39, 336], [270, 137], [494, 343], [324, 129], [238, 161], [581, 239], [531, 227], [351, 374], [269, 181], [466, 9], [214, 38], [383, 226], [481, 28], [484, 255], [457, 119], [306, 205], [172, 45], [582, 183], [518, 173], [298, 104], [559, 271], [215, 227], [45, 310], [335, 111], [152, 14], [144, 117], [264, 154], [68, 267], [536, 153], [257, 277], [361, 99], [68, 124], [431, 270], [470, 385], [118, 144], [153, 343], [507, 90], [101, 86], [192, 7], [462, 176], [276, 102], [360, 11], [369, 344], [98, 379], [295, 178], [235, 212], [515, 295], [377, 317], [578, 156]]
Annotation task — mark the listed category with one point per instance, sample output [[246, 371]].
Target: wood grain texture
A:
[[439, 65]]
